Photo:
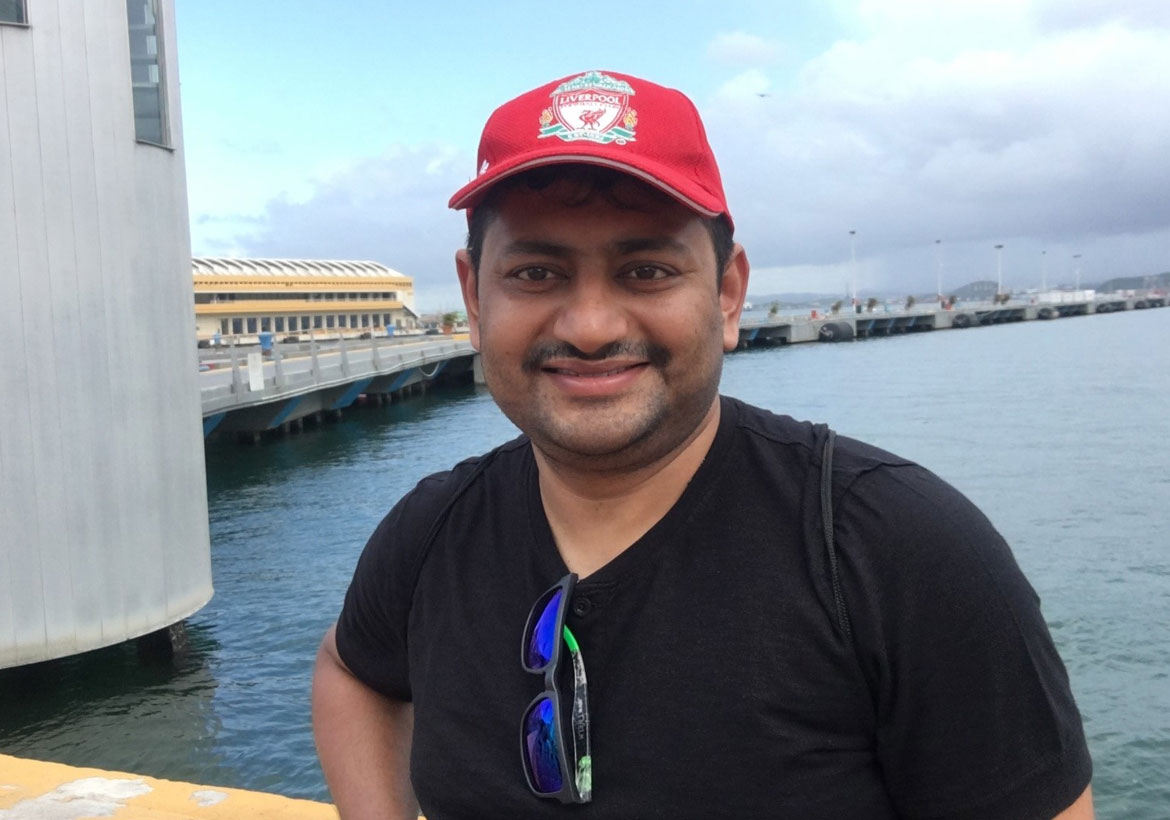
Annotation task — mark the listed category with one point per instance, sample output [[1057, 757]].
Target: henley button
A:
[[581, 606]]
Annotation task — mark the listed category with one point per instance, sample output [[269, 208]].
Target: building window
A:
[[237, 326], [223, 326], [386, 319], [329, 321], [12, 11], [265, 324], [280, 324], [292, 323], [146, 72], [316, 322], [365, 320]]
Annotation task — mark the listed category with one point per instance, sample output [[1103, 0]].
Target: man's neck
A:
[[594, 516]]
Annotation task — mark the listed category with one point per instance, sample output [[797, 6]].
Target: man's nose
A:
[[593, 314]]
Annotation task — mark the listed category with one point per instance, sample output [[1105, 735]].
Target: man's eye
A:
[[647, 273], [534, 274]]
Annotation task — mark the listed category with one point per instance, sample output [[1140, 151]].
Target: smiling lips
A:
[[590, 373], [584, 379]]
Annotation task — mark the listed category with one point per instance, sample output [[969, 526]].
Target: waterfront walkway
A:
[[36, 790], [246, 391]]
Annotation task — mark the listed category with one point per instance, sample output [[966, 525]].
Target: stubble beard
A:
[[611, 434]]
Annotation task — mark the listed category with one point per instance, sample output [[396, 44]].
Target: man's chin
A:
[[591, 439]]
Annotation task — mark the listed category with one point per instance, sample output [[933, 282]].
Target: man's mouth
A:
[[563, 359], [591, 373]]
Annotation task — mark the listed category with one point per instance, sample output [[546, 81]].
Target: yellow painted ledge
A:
[[35, 790]]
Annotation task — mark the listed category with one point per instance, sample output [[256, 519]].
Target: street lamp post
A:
[[998, 269], [938, 268], [853, 269]]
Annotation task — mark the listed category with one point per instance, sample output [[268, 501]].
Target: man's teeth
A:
[[567, 372]]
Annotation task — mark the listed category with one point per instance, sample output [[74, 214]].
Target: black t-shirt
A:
[[719, 684]]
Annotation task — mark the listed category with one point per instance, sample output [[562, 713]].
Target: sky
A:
[[933, 129]]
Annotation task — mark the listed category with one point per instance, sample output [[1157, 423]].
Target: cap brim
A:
[[686, 192]]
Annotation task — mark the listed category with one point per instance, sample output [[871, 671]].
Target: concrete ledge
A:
[[36, 790]]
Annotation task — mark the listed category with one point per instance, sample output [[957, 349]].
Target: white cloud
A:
[[1069, 14], [738, 48], [976, 122], [751, 83], [986, 130], [390, 209]]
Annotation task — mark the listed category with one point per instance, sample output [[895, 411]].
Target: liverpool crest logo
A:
[[593, 107]]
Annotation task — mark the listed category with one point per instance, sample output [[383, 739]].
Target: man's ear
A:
[[468, 283], [732, 292]]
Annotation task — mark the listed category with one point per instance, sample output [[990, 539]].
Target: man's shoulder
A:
[[851, 457], [863, 475], [437, 491]]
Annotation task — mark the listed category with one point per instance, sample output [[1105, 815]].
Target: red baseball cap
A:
[[602, 118]]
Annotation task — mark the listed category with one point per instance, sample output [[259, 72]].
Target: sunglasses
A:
[[542, 737]]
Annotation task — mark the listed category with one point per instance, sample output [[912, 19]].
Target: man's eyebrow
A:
[[619, 247], [625, 247], [537, 247]]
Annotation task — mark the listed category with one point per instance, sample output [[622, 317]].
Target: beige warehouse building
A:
[[290, 297]]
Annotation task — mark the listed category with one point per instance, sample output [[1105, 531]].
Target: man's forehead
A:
[[534, 216], [578, 186]]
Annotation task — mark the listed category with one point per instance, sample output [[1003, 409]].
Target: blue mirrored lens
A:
[[542, 641], [540, 747]]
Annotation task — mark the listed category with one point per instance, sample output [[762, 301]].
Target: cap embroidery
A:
[[592, 107]]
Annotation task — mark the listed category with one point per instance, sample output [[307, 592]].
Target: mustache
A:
[[543, 352]]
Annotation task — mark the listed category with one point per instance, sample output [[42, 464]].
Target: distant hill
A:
[[982, 290], [1158, 280]]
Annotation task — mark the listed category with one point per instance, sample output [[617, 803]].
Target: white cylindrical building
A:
[[103, 501]]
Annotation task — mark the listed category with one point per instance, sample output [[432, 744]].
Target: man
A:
[[671, 541]]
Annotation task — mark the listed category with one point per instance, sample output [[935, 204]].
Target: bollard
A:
[[278, 366], [235, 366], [315, 369]]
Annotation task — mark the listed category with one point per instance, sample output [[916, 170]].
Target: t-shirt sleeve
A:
[[975, 715], [373, 626]]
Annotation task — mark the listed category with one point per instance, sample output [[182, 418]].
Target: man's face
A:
[[601, 327]]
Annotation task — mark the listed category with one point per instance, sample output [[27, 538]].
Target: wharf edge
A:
[[34, 789], [278, 390]]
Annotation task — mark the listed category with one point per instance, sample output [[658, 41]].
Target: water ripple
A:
[[1056, 429]]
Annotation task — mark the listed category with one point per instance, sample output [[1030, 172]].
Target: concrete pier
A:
[[246, 395], [243, 393], [36, 790], [841, 327]]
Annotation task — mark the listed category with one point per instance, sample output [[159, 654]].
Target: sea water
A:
[[1059, 430]]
